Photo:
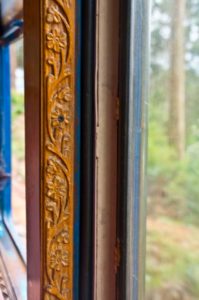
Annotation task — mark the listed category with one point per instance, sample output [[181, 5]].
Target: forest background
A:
[[172, 269]]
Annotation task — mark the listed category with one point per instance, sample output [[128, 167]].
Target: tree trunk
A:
[[177, 79]]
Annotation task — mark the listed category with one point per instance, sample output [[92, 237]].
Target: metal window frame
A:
[[133, 90], [5, 144], [87, 150], [11, 249]]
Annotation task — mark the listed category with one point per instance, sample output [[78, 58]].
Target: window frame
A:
[[133, 95], [6, 148], [11, 248], [132, 98]]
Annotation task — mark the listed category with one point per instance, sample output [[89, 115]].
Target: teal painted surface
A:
[[5, 126]]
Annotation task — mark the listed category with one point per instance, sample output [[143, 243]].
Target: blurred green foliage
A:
[[173, 184], [179, 178], [18, 139], [174, 189], [17, 105]]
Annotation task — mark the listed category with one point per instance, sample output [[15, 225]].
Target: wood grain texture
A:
[[32, 59], [58, 147], [50, 101]]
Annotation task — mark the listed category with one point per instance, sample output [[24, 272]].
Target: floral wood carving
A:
[[59, 75]]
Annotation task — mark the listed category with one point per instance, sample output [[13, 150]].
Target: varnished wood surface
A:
[[32, 52], [58, 72], [50, 102]]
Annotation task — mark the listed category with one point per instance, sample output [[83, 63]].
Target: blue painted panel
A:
[[5, 125]]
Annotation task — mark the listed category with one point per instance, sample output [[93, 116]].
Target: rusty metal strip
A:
[[58, 144]]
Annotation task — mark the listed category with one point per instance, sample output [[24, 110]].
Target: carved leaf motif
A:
[[59, 142]]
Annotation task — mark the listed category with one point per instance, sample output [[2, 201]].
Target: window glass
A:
[[18, 138], [172, 266]]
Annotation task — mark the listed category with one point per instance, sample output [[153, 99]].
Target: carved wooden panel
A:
[[58, 144]]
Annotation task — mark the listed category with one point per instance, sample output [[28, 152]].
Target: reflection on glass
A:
[[18, 138], [172, 265]]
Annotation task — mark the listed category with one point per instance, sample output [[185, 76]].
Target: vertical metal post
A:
[[134, 52], [78, 145], [87, 150]]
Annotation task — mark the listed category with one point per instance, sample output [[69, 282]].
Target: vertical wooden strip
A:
[[33, 132], [58, 147], [50, 102]]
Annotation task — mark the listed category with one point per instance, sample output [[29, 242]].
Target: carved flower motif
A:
[[56, 40], [53, 15], [59, 118], [59, 258], [56, 188]]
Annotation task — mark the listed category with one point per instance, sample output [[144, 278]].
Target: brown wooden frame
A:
[[50, 100]]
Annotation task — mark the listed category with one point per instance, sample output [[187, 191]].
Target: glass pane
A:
[[172, 267], [18, 138]]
